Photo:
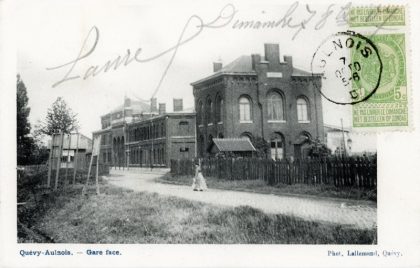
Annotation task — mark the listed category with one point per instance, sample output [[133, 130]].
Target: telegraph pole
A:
[[344, 141], [151, 133]]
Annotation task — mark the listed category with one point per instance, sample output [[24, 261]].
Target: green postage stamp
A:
[[388, 107]]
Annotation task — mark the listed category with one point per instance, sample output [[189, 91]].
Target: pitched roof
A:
[[234, 145], [137, 106], [243, 65]]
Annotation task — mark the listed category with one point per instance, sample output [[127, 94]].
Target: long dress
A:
[[199, 183]]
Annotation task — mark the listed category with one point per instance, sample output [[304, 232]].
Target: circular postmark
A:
[[349, 63]]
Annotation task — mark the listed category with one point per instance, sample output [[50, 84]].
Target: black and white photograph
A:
[[196, 129]]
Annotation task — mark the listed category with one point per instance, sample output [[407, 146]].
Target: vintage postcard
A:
[[209, 133]]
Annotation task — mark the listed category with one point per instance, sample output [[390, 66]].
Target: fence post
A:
[[59, 160], [75, 159], [50, 162]]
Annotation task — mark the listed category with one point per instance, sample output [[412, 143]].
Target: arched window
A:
[[277, 146], [219, 109], [201, 146], [202, 117], [275, 106], [209, 111], [244, 109], [209, 143], [246, 135], [302, 110], [200, 113]]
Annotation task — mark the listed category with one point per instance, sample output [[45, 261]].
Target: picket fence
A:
[[339, 171]]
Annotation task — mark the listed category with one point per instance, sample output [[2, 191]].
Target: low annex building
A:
[[139, 134], [259, 96], [74, 147], [237, 147]]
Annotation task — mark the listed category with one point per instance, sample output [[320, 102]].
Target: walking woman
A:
[[199, 183]]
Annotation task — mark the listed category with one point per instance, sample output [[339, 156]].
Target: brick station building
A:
[[259, 96], [139, 134]]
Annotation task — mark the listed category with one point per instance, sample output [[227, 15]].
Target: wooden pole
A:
[[95, 151], [75, 160], [50, 162], [59, 160], [97, 171], [88, 175], [344, 141], [67, 160]]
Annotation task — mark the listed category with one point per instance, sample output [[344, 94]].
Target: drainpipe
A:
[[261, 108], [316, 110]]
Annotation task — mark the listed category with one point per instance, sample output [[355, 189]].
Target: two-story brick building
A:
[[256, 96], [139, 134]]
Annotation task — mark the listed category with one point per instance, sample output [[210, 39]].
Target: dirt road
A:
[[323, 209]]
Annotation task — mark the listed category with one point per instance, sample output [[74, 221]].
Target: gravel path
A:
[[358, 214]]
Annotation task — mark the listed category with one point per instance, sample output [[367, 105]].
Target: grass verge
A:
[[259, 186], [123, 216]]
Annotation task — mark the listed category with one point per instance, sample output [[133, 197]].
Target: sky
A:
[[53, 33]]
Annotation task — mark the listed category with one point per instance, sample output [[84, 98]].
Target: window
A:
[[276, 144], [210, 111], [302, 110], [200, 112], [184, 128], [163, 130], [201, 146], [210, 141], [246, 135], [275, 106], [219, 109], [244, 109]]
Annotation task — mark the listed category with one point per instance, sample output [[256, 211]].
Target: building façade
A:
[[257, 96], [138, 134]]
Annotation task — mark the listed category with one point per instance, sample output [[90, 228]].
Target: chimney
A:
[[178, 105], [272, 53], [256, 59], [217, 66], [153, 105], [162, 108], [288, 60]]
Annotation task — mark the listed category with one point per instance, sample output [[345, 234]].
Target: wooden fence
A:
[[342, 172]]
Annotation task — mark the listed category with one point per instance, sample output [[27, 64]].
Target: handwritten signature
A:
[[320, 18], [223, 19]]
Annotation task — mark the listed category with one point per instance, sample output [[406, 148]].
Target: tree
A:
[[24, 141], [261, 145], [318, 149], [59, 117]]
